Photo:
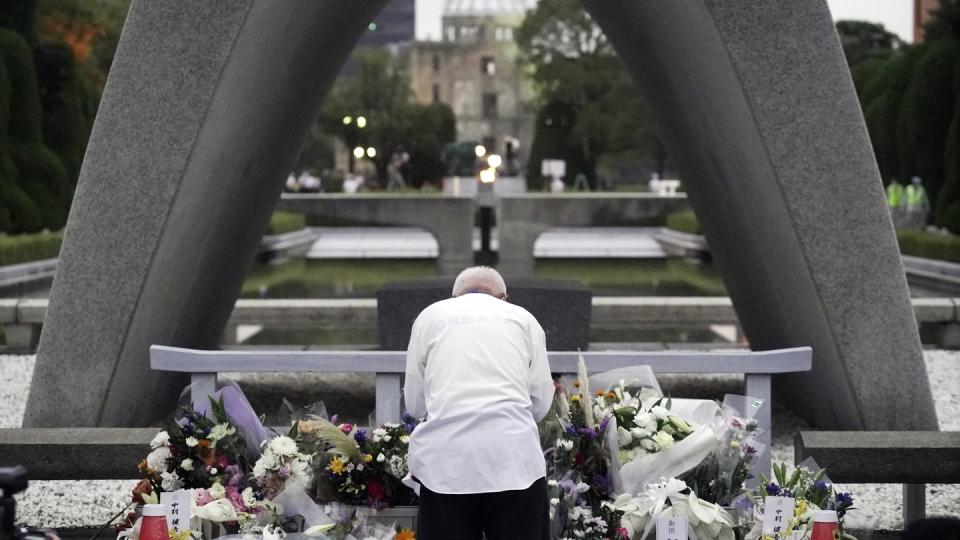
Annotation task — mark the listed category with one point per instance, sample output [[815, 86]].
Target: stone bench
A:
[[389, 366], [911, 458]]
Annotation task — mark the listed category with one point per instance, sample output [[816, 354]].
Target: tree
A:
[[379, 91], [944, 21], [583, 85], [862, 40]]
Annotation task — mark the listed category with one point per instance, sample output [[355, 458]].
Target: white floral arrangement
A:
[[672, 498], [282, 463]]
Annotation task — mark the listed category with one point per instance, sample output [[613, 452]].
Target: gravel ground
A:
[[84, 503]]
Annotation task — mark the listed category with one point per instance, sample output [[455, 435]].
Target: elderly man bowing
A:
[[477, 368]]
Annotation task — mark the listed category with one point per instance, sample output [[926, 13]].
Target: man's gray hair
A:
[[479, 279]]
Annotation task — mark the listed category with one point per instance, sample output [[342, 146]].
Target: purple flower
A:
[[571, 430], [751, 451], [773, 489], [604, 423], [235, 475], [844, 499], [820, 485], [333, 419], [409, 427], [360, 436], [591, 434], [568, 486], [284, 472], [600, 483]]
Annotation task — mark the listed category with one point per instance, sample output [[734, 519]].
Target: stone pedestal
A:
[[561, 307]]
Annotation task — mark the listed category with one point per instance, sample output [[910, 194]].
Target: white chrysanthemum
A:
[[187, 464], [160, 439], [379, 434], [381, 458], [221, 431], [267, 462], [170, 481], [663, 439], [192, 441], [404, 439], [217, 491], [157, 459], [643, 419], [284, 446]]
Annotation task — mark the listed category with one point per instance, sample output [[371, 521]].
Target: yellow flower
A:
[[182, 535], [337, 465], [367, 458], [405, 534], [801, 508], [575, 397]]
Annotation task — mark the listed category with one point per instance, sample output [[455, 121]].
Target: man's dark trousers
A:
[[521, 514]]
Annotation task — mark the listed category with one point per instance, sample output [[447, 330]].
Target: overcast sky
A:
[[896, 15]]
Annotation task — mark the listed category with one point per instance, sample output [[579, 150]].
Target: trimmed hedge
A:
[[29, 247], [685, 222], [944, 247], [283, 222]]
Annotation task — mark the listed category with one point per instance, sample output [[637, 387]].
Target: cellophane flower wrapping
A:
[[720, 476]]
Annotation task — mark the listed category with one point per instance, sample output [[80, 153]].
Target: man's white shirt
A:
[[477, 368]]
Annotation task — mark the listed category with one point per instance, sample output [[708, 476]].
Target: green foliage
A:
[[684, 222], [926, 115], [862, 40], [947, 203], [44, 180], [944, 247], [380, 92], [69, 103], [29, 247], [944, 22], [284, 222], [39, 171], [19, 16], [589, 103]]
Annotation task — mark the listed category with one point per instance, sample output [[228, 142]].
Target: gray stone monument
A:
[[207, 103], [206, 106], [757, 107]]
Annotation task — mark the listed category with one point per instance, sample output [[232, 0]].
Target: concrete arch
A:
[[756, 105]]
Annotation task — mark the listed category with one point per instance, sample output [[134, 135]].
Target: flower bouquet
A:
[[205, 455], [811, 491]]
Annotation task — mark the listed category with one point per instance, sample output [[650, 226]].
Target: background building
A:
[[921, 14], [475, 70]]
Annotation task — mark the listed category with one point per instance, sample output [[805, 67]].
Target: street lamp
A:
[[480, 150], [494, 161], [347, 120], [488, 176], [361, 122], [371, 152], [358, 152]]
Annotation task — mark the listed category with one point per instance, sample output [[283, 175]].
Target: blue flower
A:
[[844, 499], [773, 489], [820, 485], [571, 430], [360, 436]]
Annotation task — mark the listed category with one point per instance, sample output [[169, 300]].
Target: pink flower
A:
[[203, 498], [346, 428], [284, 472], [235, 498]]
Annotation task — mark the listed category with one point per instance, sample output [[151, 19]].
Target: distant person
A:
[[352, 183], [895, 202], [917, 204], [292, 185], [394, 176], [477, 369], [557, 185], [654, 183], [580, 182]]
